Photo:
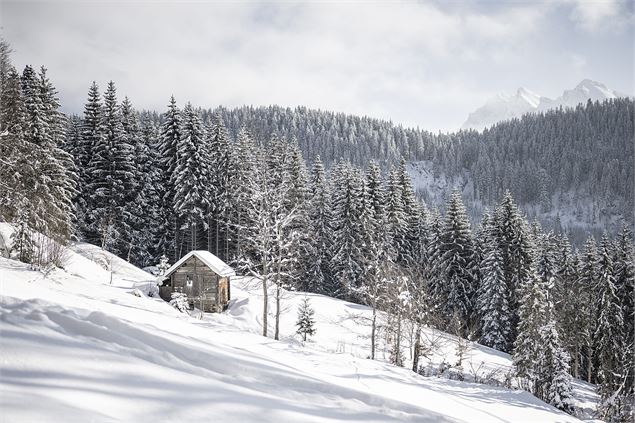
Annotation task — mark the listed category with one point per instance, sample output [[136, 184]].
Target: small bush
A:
[[179, 301]]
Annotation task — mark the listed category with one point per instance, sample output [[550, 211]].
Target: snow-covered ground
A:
[[77, 345]]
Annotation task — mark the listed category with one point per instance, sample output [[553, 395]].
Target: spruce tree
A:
[[190, 178], [348, 256], [609, 337], [111, 178], [319, 275], [493, 303], [83, 154], [587, 284], [306, 321], [169, 140], [457, 262]]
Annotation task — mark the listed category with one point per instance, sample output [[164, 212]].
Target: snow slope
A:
[[504, 107], [75, 347]]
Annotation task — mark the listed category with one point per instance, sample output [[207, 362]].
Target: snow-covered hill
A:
[[77, 345], [503, 106]]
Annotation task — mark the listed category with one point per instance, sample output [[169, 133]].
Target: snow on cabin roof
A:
[[217, 265]]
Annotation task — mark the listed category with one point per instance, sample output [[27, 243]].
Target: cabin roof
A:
[[210, 260]]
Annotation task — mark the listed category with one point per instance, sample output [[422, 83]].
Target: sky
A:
[[417, 63]]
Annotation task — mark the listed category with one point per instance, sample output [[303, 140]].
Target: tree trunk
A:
[[276, 335], [373, 334], [417, 349], [217, 233], [265, 303], [398, 341]]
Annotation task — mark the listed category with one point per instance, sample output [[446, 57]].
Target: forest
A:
[[323, 202]]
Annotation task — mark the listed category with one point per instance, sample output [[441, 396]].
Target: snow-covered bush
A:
[[179, 301]]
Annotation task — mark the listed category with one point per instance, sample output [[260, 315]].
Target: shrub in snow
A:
[[305, 323], [179, 302]]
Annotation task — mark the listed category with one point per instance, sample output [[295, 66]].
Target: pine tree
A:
[[190, 178], [83, 155], [587, 284], [609, 337], [493, 303], [220, 201], [457, 262], [320, 219], [554, 380], [347, 259], [306, 322], [112, 177], [516, 249], [169, 140], [396, 220], [567, 298], [624, 270], [527, 347], [14, 149], [241, 170]]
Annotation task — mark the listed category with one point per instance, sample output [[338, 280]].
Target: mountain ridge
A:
[[504, 107]]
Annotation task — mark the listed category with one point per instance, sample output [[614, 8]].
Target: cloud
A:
[[417, 63], [600, 15]]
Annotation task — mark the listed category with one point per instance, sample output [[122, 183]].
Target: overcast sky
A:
[[422, 63]]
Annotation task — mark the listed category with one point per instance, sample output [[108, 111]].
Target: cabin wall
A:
[[204, 288]]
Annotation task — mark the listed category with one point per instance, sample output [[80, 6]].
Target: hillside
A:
[[560, 164], [80, 348]]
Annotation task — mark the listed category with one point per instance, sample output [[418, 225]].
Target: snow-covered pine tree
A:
[[396, 219], [242, 169], [297, 200], [347, 259], [587, 284], [111, 175], [320, 216], [457, 258], [190, 179], [306, 321], [83, 155], [14, 150], [527, 346], [624, 270], [47, 175], [169, 225], [435, 271], [554, 380], [412, 214], [609, 338], [60, 168], [492, 300], [148, 192], [134, 212], [516, 249], [220, 201], [567, 298]]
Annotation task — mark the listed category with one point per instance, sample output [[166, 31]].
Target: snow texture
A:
[[77, 348]]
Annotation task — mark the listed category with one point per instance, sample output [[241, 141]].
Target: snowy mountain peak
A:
[[504, 106], [529, 96]]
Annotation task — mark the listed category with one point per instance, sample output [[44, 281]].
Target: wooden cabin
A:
[[203, 277]]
